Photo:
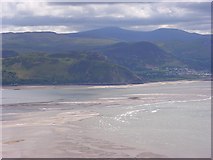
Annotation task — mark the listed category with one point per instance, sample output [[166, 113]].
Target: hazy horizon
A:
[[104, 28]]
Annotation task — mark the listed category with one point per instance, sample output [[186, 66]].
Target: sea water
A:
[[172, 119]]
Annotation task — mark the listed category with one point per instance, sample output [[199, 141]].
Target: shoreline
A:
[[17, 87]]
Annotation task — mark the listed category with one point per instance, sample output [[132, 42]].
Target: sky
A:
[[70, 17]]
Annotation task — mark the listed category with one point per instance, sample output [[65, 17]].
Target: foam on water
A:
[[154, 111]]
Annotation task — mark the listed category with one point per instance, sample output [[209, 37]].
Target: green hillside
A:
[[81, 68], [144, 59], [195, 53]]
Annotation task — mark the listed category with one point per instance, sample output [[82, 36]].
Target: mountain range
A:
[[104, 56]]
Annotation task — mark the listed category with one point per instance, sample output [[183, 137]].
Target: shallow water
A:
[[168, 119]]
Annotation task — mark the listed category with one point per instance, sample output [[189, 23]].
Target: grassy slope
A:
[[64, 69]]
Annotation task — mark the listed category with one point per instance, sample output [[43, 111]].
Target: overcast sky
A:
[[74, 17]]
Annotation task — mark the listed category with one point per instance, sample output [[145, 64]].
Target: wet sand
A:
[[51, 129], [53, 134]]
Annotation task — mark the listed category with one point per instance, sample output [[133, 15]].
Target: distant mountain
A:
[[162, 34], [54, 43], [139, 55], [190, 48], [143, 58], [49, 42], [126, 56]]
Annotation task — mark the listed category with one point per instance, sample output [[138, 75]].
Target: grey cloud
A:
[[201, 7], [48, 20], [97, 3], [194, 16]]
